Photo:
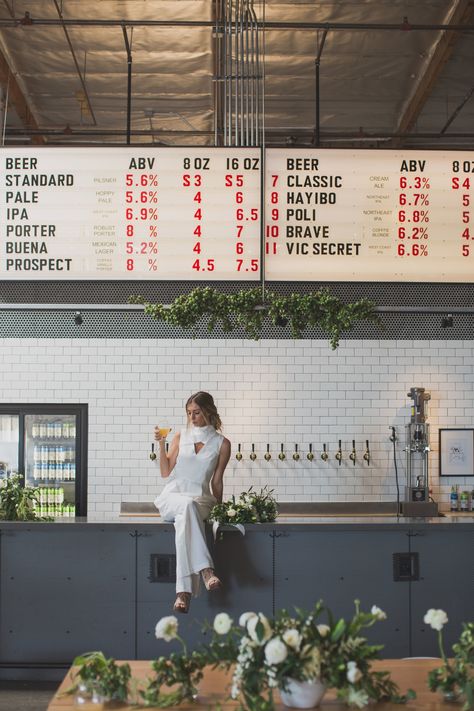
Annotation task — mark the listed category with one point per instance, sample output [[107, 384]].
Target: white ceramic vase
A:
[[302, 694]]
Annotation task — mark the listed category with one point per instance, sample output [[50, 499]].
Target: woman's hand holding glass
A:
[[161, 433]]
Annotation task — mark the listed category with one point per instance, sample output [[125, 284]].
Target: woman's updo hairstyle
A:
[[206, 402]]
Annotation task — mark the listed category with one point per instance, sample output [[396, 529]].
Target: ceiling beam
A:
[[16, 98], [461, 17]]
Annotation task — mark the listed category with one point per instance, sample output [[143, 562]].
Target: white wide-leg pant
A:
[[192, 554]]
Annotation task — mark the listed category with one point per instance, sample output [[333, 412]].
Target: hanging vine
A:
[[248, 308]]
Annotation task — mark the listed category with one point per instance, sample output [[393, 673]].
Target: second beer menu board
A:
[[128, 213], [195, 214], [363, 215]]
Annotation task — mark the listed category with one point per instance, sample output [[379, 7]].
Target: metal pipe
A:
[[62, 22], [330, 26], [317, 62], [129, 83], [236, 101]]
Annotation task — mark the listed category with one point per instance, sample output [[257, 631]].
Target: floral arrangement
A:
[[17, 502], [250, 507], [109, 679], [455, 678], [180, 670], [265, 654]]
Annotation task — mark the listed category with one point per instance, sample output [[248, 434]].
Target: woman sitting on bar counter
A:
[[195, 466]]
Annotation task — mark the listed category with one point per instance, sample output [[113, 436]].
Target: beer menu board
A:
[[365, 215], [196, 214], [130, 213]]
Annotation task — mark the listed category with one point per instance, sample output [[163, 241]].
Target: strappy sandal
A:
[[210, 579], [182, 602]]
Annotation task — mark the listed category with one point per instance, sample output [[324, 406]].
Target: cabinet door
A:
[[66, 592], [446, 583], [341, 566]]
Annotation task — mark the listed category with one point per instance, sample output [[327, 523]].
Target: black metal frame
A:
[[454, 429]]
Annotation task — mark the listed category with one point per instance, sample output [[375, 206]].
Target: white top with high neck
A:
[[193, 470]]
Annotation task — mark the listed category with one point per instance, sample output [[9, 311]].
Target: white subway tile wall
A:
[[268, 392]]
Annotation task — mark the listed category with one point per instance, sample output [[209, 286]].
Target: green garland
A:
[[248, 309]]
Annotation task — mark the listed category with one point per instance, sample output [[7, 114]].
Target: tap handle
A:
[[253, 456], [282, 456], [267, 456], [238, 455], [152, 453], [296, 455]]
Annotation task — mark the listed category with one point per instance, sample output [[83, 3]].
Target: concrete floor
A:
[[26, 696]]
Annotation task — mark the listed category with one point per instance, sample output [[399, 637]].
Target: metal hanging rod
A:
[[139, 307], [405, 26]]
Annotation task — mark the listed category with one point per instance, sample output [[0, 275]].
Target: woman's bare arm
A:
[[167, 461], [217, 483]]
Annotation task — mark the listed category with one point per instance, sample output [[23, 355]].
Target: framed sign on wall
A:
[[456, 452]]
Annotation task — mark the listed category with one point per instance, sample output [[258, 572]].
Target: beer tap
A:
[[253, 456], [296, 455], [267, 456], [367, 452], [353, 455], [324, 454], [282, 455], [310, 455], [238, 456], [338, 454], [153, 453]]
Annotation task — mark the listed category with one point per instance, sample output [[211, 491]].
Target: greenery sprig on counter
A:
[[248, 309]]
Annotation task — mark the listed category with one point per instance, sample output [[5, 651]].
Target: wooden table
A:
[[215, 685]]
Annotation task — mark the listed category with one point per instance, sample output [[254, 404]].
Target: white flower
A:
[[231, 513], [245, 617], [275, 651], [378, 613], [436, 619], [292, 638], [357, 697], [258, 628], [353, 672], [222, 623], [167, 628], [323, 630]]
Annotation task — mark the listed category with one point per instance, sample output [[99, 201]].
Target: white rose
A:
[[436, 619], [222, 623], [264, 634], [231, 513], [378, 613], [167, 628], [323, 630], [245, 617], [275, 651], [292, 638], [353, 672]]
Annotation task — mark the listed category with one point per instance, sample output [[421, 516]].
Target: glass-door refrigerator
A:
[[47, 446]]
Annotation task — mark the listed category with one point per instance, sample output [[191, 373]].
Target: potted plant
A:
[[17, 502], [455, 677], [101, 679]]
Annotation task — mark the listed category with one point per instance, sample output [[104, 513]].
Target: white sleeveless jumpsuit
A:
[[186, 500]]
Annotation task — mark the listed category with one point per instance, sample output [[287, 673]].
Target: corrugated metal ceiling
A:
[[387, 67]]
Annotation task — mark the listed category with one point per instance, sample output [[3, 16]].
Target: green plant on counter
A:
[[248, 309], [455, 678], [111, 680], [250, 507], [17, 502]]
